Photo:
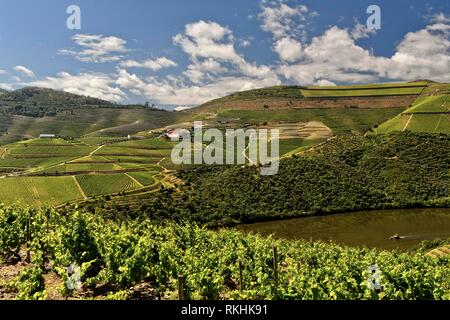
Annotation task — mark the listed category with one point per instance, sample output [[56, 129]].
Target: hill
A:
[[297, 97], [39, 102], [28, 112], [3, 91], [345, 174]]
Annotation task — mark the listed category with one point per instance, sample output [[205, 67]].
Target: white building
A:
[[47, 136]]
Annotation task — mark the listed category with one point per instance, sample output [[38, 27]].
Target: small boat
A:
[[395, 237]]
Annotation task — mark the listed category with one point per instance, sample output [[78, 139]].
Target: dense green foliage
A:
[[118, 256], [39, 102], [348, 173]]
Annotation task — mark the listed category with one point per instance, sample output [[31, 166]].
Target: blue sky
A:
[[182, 53]]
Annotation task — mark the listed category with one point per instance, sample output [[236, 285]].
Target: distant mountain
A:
[[3, 91], [39, 102]]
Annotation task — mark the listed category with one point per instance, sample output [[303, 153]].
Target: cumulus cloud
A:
[[288, 49], [100, 86], [213, 43], [173, 92], [423, 54], [97, 48], [283, 20], [25, 71], [152, 64], [334, 56]]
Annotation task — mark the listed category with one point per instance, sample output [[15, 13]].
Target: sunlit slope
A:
[[427, 114]]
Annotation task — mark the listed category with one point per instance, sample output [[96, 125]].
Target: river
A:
[[365, 228]]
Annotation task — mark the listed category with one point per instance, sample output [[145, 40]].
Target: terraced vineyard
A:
[[78, 170], [386, 89], [37, 191], [98, 184], [427, 114]]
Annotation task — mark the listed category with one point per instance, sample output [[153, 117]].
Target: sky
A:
[[178, 54]]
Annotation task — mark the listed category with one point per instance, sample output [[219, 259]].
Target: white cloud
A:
[[182, 108], [334, 56], [152, 64], [245, 42], [2, 72], [214, 43], [6, 86], [25, 71], [97, 48], [288, 49], [323, 82], [361, 31], [423, 54], [207, 40], [283, 20], [100, 86], [165, 91]]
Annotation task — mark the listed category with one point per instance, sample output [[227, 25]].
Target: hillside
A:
[[345, 174], [3, 91], [39, 102], [28, 112], [429, 113], [386, 95]]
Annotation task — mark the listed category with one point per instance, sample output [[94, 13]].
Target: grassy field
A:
[[36, 191], [99, 184], [431, 104], [427, 114]]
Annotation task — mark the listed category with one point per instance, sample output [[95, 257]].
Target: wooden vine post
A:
[[241, 278], [275, 266], [180, 287]]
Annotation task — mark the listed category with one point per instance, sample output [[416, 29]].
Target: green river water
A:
[[365, 228]]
